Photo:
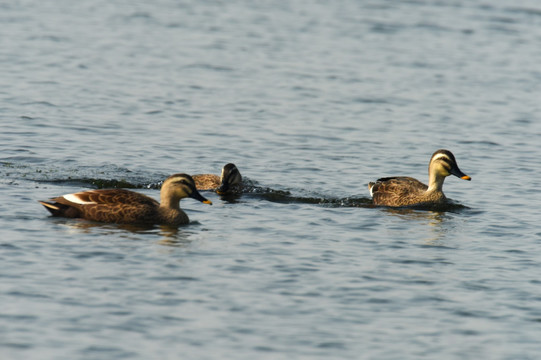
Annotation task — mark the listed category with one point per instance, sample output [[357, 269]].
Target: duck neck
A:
[[170, 212], [169, 202], [435, 181]]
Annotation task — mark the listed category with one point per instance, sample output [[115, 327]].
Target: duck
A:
[[230, 181], [406, 191], [128, 207]]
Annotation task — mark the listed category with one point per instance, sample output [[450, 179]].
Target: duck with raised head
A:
[[407, 191], [230, 181], [129, 207]]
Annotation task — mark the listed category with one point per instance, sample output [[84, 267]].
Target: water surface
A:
[[311, 101]]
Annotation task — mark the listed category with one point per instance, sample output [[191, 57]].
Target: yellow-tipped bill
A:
[[458, 173], [197, 196]]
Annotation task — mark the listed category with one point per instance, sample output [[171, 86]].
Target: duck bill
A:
[[197, 196], [456, 172]]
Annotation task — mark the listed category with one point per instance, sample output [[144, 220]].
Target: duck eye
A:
[[445, 160], [186, 183], [181, 182]]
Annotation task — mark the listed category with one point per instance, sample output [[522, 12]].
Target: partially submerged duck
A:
[[229, 182], [129, 207], [407, 191]]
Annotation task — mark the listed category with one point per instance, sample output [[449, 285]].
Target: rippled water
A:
[[311, 101]]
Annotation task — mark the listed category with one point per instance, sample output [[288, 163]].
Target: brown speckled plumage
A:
[[206, 181], [128, 207], [407, 191], [230, 180]]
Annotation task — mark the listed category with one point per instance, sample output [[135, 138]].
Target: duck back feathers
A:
[[204, 182]]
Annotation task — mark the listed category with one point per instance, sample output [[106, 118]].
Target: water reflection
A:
[[439, 223], [169, 236], [174, 236], [433, 217], [231, 198]]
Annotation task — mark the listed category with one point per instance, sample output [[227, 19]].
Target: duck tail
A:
[[57, 209]]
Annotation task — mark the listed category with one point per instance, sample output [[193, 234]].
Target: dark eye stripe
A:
[[183, 182], [447, 163]]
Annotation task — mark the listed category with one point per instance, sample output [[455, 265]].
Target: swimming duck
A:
[[129, 207], [229, 181], [406, 191]]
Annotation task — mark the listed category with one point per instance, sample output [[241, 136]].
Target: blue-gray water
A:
[[311, 100]]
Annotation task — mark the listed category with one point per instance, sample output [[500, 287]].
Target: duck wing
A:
[[396, 191], [114, 205]]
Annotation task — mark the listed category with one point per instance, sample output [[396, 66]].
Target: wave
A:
[[116, 178]]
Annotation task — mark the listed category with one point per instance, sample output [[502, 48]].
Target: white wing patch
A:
[[74, 198]]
